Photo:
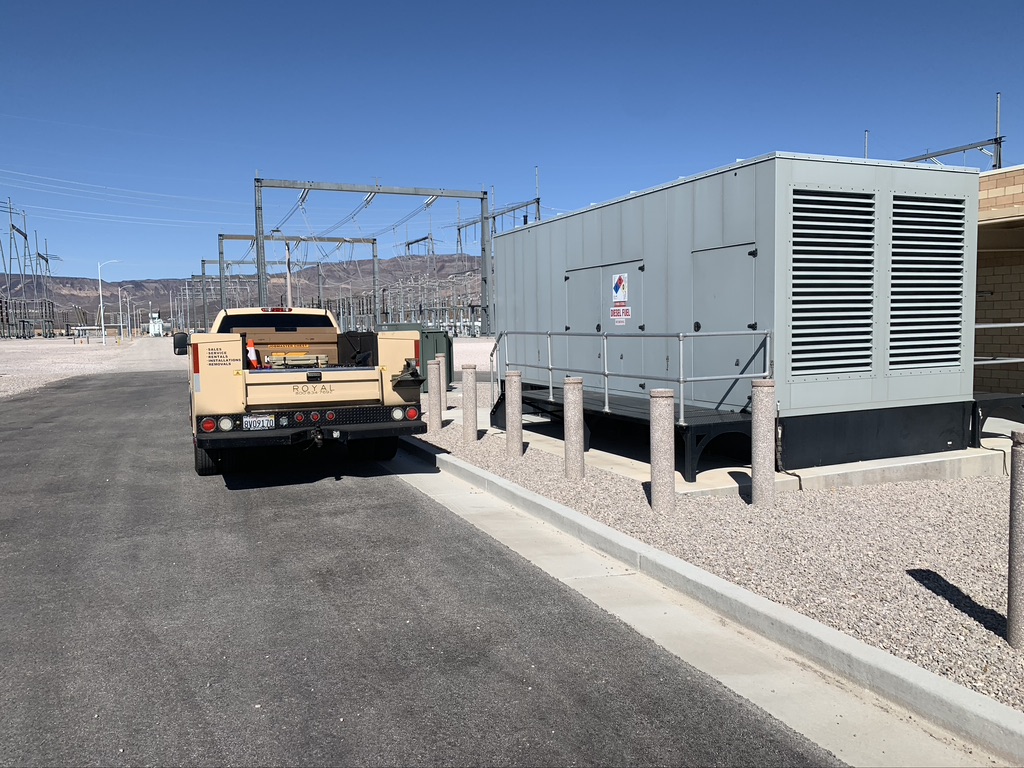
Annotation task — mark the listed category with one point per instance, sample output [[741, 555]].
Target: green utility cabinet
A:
[[433, 342]]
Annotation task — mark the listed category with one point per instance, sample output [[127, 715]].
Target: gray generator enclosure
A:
[[850, 282]]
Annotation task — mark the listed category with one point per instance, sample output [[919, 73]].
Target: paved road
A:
[[328, 614]]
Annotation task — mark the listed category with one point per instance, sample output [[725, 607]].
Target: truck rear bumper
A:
[[299, 435]]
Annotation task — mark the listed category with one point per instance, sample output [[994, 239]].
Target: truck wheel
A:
[[206, 465], [376, 448]]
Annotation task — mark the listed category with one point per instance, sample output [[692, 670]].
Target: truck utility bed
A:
[[281, 376]]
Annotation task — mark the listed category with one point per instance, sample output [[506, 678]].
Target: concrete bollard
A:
[[469, 433], [663, 451], [514, 414], [435, 416], [572, 423], [442, 359], [762, 443], [1015, 585]]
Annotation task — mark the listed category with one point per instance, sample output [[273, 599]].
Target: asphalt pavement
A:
[[307, 610]]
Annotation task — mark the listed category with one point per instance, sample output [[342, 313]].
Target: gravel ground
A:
[[917, 569], [28, 364]]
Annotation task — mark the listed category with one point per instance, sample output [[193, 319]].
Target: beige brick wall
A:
[[1002, 189], [1000, 288]]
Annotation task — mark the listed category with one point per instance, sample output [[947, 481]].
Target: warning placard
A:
[[620, 313], [620, 288]]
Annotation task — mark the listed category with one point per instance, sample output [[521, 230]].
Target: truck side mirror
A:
[[181, 343]]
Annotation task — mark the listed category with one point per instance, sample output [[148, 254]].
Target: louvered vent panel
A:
[[927, 300], [833, 282]]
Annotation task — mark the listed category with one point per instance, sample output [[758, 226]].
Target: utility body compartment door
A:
[[216, 383], [301, 389]]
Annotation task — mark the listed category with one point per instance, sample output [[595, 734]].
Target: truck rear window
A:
[[275, 321]]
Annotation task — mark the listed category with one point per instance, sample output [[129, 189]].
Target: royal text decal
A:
[[312, 389]]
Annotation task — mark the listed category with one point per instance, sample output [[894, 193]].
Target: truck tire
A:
[[375, 448], [206, 465]]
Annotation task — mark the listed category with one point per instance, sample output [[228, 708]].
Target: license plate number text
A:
[[261, 421]]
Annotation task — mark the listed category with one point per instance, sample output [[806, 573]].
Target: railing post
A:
[[551, 374], [604, 368], [435, 416], [762, 442], [469, 431], [572, 421], [514, 414], [682, 380], [1015, 574], [442, 359], [663, 451]]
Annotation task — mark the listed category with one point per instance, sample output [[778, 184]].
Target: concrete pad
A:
[[991, 460]]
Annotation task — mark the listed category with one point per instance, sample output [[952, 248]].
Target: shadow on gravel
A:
[[991, 620], [274, 467]]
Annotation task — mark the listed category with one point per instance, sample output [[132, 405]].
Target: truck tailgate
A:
[[298, 389]]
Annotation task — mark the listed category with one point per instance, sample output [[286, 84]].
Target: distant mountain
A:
[[409, 284]]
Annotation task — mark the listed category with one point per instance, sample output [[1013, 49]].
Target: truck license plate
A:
[[261, 421]]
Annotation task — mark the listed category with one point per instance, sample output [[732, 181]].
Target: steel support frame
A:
[[261, 271], [485, 235]]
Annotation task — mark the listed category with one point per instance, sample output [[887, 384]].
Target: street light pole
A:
[[99, 279]]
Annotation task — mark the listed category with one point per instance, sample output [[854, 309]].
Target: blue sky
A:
[[133, 130]]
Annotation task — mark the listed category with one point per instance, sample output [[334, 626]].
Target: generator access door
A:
[[723, 300], [606, 301]]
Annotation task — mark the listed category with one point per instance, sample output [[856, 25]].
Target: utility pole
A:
[[99, 280], [288, 271]]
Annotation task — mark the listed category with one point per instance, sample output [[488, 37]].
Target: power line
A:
[[408, 217], [120, 189], [87, 195], [74, 215]]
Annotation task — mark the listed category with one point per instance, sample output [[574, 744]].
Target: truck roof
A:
[[293, 310], [272, 317]]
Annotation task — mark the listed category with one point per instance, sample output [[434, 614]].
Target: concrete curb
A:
[[966, 713]]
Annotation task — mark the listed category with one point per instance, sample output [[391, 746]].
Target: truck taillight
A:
[[315, 416], [208, 424], [412, 413]]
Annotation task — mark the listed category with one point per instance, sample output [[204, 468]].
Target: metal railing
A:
[[996, 360], [679, 381]]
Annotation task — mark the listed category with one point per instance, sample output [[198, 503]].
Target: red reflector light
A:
[[329, 415], [314, 416], [412, 412], [207, 424], [299, 418]]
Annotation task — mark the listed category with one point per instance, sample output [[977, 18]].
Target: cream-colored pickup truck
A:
[[283, 376]]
